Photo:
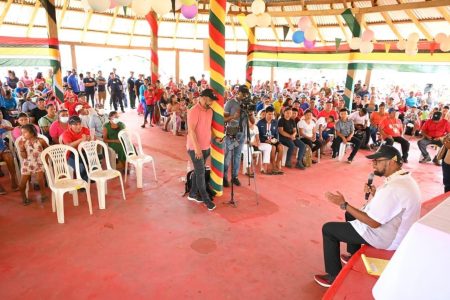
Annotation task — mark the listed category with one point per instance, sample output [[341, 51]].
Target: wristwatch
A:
[[343, 205]]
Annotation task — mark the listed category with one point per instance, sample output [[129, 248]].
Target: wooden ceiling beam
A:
[[86, 24], [233, 26], [195, 27], [444, 13], [63, 12], [391, 25], [175, 32], [33, 17], [5, 11], [289, 21], [275, 33], [314, 24], [133, 29], [341, 25], [116, 11]]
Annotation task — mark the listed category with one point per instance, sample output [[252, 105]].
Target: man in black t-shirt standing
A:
[[289, 138], [89, 87], [115, 90], [131, 91], [137, 84]]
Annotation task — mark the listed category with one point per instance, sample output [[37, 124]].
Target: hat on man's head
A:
[[209, 93], [243, 89], [436, 116], [387, 152], [391, 110], [74, 120]]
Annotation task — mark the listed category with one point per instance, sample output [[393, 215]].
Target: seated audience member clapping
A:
[[391, 130], [111, 131], [22, 119], [345, 131], [270, 146], [73, 136], [384, 220], [30, 148], [288, 137], [433, 132], [307, 132], [98, 120]]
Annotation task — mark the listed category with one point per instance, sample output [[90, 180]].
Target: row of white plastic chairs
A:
[[61, 179]]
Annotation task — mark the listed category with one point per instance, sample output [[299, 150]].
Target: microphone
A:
[[369, 183]]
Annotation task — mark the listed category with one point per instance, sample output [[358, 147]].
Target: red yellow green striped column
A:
[[152, 20], [217, 82]]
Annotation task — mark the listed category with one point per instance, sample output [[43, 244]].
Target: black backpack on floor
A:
[[188, 184]]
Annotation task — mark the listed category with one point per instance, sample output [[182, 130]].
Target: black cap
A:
[[208, 93], [74, 120], [436, 116], [388, 152], [243, 89]]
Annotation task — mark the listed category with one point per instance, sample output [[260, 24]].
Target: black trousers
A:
[[116, 98], [333, 233], [132, 95], [356, 144], [149, 112], [446, 176], [403, 143], [313, 145], [91, 95]]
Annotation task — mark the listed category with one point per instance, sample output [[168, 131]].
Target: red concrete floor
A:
[[158, 245]]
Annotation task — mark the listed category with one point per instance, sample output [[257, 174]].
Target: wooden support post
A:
[[73, 55], [177, 66], [272, 76]]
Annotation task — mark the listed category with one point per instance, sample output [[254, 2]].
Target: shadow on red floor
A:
[[158, 245]]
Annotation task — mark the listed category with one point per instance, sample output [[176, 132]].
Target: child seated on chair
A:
[[30, 148]]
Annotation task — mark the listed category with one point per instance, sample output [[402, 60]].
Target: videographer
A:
[[237, 113]]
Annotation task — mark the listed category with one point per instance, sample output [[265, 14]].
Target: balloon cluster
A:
[[410, 44], [189, 8], [258, 17], [444, 41], [306, 34], [363, 43]]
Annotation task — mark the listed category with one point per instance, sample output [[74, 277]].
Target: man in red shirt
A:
[[433, 131], [150, 100], [73, 136], [375, 120], [199, 120], [328, 111], [391, 130]]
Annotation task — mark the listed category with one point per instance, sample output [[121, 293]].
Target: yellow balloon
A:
[[188, 2]]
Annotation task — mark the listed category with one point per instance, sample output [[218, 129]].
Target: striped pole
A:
[[348, 92], [49, 6], [250, 47], [152, 20], [217, 83]]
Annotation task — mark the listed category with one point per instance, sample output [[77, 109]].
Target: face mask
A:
[[64, 119], [115, 121], [101, 111]]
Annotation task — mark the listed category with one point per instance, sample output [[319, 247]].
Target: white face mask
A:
[[64, 119], [101, 111], [116, 120]]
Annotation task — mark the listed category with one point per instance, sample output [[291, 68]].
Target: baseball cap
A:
[[388, 152], [209, 93], [243, 89], [436, 116], [391, 110]]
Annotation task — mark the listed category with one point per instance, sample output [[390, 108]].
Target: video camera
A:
[[247, 104]]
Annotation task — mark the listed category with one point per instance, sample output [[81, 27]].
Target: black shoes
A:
[[226, 183], [210, 205], [300, 165], [236, 181]]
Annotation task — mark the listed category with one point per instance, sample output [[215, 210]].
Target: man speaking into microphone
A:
[[383, 221]]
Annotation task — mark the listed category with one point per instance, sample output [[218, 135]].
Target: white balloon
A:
[[440, 37], [162, 7], [85, 5], [258, 7], [401, 45], [411, 45], [263, 20], [368, 35], [310, 34], [123, 2], [141, 7], [412, 51], [413, 37], [445, 45], [99, 5], [355, 43], [366, 47], [251, 20]]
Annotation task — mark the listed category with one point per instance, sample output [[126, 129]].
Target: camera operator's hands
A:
[[370, 189], [237, 115]]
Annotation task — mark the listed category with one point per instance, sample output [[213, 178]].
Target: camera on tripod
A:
[[248, 104]]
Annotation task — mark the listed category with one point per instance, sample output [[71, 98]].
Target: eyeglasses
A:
[[376, 161]]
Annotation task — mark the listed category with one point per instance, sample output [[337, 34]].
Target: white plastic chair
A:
[[137, 158], [95, 170], [11, 148], [342, 149], [60, 179]]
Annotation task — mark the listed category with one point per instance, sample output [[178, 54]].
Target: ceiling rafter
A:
[[175, 31], [289, 21], [314, 24], [275, 33], [86, 24], [444, 13], [5, 11], [116, 11], [416, 22], [33, 17], [133, 28], [63, 12], [233, 27], [341, 25], [394, 29]]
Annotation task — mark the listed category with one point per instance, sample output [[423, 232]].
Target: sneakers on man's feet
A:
[[143, 126], [210, 205], [300, 165], [436, 161], [324, 280], [226, 183], [194, 199], [236, 181], [350, 160], [425, 160], [288, 166], [345, 258]]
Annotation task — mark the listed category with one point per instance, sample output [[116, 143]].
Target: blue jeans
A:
[[236, 146], [83, 173], [198, 184], [373, 134], [291, 144]]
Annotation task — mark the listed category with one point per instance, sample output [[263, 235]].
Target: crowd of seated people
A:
[[292, 119]]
